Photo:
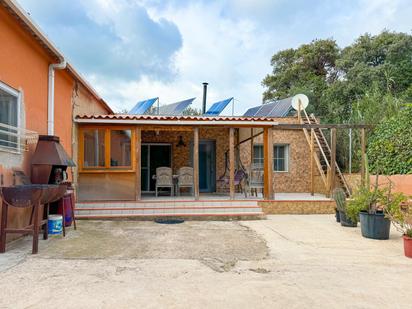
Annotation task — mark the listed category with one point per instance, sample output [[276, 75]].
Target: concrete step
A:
[[186, 216], [167, 203], [168, 208]]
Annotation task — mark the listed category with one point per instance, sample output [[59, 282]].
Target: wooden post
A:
[[138, 151], [268, 163], [332, 161], [251, 148], [299, 111], [312, 162], [232, 163], [363, 156], [196, 161]]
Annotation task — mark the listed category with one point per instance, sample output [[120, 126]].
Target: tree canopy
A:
[[349, 84], [368, 81], [390, 146]]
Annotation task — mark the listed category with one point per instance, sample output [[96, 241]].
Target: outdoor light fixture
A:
[[181, 143]]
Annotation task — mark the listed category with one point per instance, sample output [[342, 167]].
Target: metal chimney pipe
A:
[[204, 97]]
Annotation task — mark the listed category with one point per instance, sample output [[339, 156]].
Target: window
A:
[[258, 156], [106, 148], [280, 157], [94, 148], [9, 111], [120, 151]]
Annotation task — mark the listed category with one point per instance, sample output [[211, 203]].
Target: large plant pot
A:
[[407, 246], [337, 215], [374, 226], [344, 221]]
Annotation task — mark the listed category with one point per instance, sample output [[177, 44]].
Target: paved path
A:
[[285, 261]]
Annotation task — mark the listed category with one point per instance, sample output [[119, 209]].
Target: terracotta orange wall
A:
[[24, 66]]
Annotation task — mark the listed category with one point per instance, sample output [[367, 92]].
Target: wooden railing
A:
[[315, 155], [326, 178], [336, 164]]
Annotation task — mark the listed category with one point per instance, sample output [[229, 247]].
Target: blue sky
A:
[[130, 50]]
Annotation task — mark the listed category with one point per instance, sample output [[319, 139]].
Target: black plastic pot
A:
[[374, 226], [344, 221], [337, 215]]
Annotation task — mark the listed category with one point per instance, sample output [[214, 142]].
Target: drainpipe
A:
[[50, 96]]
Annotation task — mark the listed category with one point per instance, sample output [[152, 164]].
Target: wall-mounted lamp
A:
[[181, 143]]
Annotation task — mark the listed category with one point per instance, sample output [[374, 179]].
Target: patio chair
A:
[[240, 176], [255, 179], [185, 179], [164, 179]]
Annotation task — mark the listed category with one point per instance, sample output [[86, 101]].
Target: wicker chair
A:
[[185, 179], [164, 179]]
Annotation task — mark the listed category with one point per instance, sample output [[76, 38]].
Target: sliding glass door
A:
[[154, 156]]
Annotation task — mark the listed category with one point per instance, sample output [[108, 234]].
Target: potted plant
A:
[[371, 205], [400, 214], [340, 199]]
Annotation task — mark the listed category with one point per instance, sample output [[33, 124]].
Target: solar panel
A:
[[282, 108], [279, 108], [218, 107], [143, 106], [174, 108], [252, 111], [265, 110]]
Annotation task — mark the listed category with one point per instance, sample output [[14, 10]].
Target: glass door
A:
[[154, 156]]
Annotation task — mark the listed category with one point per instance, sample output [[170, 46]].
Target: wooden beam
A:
[[196, 161], [138, 159], [295, 126], [312, 161], [268, 163], [251, 147], [232, 163], [332, 161], [363, 156]]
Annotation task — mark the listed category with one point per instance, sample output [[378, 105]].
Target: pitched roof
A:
[[175, 120]]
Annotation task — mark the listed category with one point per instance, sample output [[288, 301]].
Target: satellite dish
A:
[[302, 99]]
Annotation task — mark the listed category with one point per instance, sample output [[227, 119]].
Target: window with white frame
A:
[[9, 113], [280, 157]]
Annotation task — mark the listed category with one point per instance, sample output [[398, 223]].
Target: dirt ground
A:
[[284, 261]]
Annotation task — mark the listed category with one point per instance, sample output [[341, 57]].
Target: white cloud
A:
[[231, 54], [227, 43]]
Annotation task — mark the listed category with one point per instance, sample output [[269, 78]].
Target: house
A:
[[116, 156], [40, 93]]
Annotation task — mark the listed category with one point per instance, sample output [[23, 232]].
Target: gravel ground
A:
[[284, 261]]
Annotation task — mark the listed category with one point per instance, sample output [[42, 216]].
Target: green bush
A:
[[390, 145]]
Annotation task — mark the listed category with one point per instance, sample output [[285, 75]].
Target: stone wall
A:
[[297, 207], [297, 178]]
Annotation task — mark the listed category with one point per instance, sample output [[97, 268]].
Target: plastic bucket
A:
[[67, 201], [374, 226], [55, 224]]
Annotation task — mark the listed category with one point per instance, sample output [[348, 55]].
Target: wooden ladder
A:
[[322, 155]]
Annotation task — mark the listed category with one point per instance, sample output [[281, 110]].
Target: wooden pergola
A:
[[333, 127]]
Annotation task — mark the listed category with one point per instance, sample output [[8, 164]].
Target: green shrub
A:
[[390, 145]]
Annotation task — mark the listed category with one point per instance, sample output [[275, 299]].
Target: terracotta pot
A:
[[407, 246]]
